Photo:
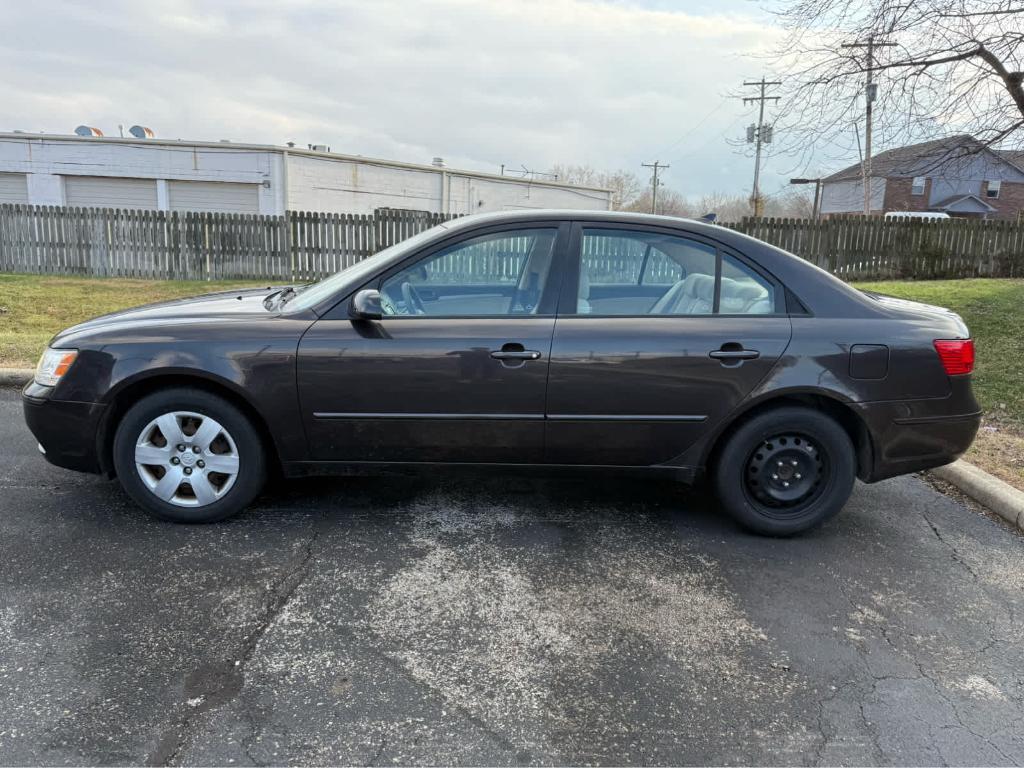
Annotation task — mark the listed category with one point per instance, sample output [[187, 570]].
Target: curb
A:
[[1002, 498], [15, 377]]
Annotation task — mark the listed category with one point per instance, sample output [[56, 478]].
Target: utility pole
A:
[[759, 134], [870, 92], [655, 166]]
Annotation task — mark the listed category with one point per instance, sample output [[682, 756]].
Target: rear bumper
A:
[[913, 435], [68, 432]]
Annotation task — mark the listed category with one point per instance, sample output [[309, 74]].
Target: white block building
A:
[[102, 172]]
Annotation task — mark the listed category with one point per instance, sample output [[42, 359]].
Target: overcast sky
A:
[[479, 82]]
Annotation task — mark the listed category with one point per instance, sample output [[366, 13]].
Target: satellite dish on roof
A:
[[88, 130], [141, 132]]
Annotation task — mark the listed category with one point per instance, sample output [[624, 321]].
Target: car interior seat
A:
[[583, 292], [695, 295]]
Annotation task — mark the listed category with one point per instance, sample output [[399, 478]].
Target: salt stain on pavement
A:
[[471, 615]]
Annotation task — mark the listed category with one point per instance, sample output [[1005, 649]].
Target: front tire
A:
[[785, 471], [188, 456]]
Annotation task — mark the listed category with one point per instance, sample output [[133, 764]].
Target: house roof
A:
[[905, 161], [1012, 156], [962, 204]]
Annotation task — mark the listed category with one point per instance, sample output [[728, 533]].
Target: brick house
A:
[[957, 175]]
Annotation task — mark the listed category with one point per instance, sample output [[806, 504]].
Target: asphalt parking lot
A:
[[504, 621]]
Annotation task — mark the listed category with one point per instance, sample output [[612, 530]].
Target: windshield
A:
[[310, 295]]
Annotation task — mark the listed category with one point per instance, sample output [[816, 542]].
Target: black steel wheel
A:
[[785, 470]]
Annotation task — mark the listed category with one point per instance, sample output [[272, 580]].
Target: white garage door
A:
[[229, 197], [109, 192], [13, 188]]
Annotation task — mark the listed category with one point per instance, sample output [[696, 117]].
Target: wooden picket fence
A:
[[108, 242], [302, 246], [872, 247]]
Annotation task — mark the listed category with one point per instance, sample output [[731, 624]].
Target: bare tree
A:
[[726, 207], [630, 193], [791, 202], [670, 203], [626, 186], [788, 203], [942, 67]]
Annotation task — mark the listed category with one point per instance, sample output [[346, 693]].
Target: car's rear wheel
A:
[[785, 470], [188, 456]]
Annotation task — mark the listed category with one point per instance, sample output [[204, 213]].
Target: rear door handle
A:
[[734, 354], [514, 354]]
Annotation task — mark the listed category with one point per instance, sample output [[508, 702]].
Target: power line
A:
[[655, 166], [759, 134], [870, 92], [697, 149], [693, 129]]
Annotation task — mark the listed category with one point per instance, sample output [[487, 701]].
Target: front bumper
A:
[[68, 432]]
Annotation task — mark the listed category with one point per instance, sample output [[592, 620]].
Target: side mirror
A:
[[366, 305]]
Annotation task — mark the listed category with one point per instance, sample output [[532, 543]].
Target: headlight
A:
[[53, 365]]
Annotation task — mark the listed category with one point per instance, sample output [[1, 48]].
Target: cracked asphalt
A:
[[500, 621]]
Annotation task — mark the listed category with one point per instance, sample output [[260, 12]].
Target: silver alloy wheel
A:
[[186, 459]]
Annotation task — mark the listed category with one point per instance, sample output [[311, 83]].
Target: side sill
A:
[[296, 469], [330, 415]]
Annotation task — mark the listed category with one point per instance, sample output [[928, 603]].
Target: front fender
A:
[[254, 363]]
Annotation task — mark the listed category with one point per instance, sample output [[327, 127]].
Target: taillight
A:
[[957, 355]]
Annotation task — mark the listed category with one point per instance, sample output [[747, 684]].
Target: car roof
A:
[[570, 214], [707, 229]]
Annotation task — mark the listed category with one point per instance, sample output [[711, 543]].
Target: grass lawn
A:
[[34, 307]]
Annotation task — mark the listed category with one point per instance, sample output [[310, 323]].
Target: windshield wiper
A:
[[286, 295], [278, 298]]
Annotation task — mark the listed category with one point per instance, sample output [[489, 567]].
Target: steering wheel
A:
[[387, 306], [413, 302]]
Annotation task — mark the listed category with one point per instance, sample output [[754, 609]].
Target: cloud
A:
[[479, 82]]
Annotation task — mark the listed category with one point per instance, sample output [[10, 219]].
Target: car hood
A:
[[211, 307], [920, 310]]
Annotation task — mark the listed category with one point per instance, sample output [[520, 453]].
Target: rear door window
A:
[[743, 291], [627, 272]]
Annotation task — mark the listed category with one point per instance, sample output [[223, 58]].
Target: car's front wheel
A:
[[785, 470], [188, 456]]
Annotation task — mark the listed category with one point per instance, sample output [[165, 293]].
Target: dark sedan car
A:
[[569, 340]]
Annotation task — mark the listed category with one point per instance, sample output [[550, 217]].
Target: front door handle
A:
[[515, 354]]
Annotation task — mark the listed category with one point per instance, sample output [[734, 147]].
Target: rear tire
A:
[[785, 471], [188, 456]]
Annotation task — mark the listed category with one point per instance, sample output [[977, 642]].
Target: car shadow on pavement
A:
[[569, 500]]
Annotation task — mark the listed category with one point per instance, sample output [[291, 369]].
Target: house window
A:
[[917, 186], [992, 190]]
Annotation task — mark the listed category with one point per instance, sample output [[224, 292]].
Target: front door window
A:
[[492, 275]]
